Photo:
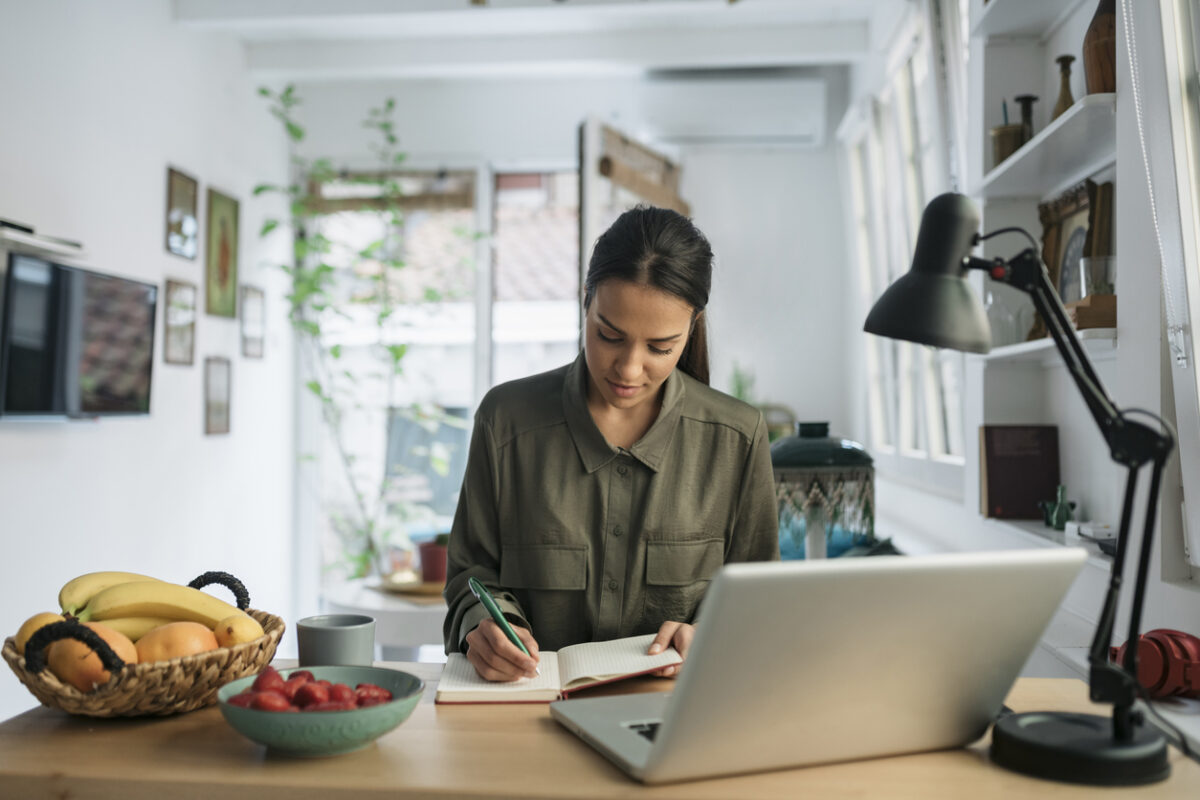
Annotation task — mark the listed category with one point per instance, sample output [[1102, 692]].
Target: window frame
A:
[[918, 448], [1181, 271]]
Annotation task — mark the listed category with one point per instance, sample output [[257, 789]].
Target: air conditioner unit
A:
[[732, 110]]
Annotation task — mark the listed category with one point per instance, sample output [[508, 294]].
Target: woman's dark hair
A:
[[660, 248]]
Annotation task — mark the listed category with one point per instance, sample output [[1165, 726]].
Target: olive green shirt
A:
[[582, 541]]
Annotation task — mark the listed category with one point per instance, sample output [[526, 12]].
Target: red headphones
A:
[[1168, 663]]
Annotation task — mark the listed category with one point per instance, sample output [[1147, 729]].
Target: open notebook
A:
[[576, 667]]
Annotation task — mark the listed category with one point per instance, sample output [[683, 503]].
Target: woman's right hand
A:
[[495, 658]]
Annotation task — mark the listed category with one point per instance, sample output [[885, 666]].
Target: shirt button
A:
[[618, 530], [621, 470], [612, 585]]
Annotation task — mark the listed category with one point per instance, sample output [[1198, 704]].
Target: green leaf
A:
[[268, 226], [336, 351], [265, 187], [397, 352], [294, 131], [264, 91], [373, 249], [432, 295], [315, 388]]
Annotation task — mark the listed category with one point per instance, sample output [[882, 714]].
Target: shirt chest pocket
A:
[[547, 567], [677, 575], [683, 563]]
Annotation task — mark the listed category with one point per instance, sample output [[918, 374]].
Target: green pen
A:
[[484, 596]]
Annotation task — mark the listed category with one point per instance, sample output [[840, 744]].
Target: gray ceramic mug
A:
[[332, 640]]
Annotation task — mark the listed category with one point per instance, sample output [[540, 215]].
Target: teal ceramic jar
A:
[[825, 490]]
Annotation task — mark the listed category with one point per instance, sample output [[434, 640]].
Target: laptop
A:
[[807, 662]]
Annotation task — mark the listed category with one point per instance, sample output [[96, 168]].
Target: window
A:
[[400, 445], [1172, 161], [391, 447], [897, 160], [535, 323]]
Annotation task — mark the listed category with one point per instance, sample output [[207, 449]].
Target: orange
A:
[[32, 626], [75, 663], [175, 640]]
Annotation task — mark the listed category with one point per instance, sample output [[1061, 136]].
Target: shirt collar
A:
[[594, 450]]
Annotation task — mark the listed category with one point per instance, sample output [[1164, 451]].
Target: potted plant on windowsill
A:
[[433, 558]]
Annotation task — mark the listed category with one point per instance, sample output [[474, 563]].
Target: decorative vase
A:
[[825, 490], [1100, 49], [1065, 98], [1002, 321], [1026, 101]]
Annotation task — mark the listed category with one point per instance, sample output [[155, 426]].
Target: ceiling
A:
[[299, 40]]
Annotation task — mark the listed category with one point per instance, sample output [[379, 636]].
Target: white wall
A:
[[774, 215], [99, 99]]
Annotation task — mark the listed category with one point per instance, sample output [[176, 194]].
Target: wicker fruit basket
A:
[[159, 688]]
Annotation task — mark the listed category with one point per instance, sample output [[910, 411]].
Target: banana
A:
[[136, 627], [76, 593], [157, 599]]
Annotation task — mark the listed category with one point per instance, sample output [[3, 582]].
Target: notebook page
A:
[[460, 675], [611, 659]]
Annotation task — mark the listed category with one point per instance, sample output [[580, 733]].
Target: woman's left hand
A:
[[677, 634]]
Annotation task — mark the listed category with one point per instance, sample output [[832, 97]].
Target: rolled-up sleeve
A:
[[474, 549]]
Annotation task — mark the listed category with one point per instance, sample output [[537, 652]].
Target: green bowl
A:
[[325, 733]]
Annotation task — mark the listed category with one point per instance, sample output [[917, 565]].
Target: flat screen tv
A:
[[74, 343]]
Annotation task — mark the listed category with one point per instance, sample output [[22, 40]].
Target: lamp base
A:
[[1078, 748]]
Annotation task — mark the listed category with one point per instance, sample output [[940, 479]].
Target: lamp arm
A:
[[1131, 444], [1025, 272]]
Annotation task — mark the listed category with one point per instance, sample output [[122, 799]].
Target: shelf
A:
[[32, 243], [1036, 533], [1079, 143], [1100, 344], [1025, 18]]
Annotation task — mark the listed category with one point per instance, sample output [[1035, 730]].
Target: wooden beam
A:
[[630, 178]]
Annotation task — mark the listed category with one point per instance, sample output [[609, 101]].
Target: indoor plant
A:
[[331, 290]]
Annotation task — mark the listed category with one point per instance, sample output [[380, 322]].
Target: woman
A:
[[601, 497]]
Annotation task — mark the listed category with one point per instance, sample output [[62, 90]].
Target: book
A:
[[1018, 468], [579, 666]]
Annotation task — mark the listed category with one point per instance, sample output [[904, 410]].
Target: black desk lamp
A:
[[932, 304]]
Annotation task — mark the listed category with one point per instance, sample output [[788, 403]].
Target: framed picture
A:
[[179, 323], [254, 316], [183, 226], [1064, 233], [217, 378], [221, 256]]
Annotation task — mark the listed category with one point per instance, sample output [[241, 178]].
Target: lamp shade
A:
[[932, 303]]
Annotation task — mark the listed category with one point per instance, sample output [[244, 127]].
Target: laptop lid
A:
[[815, 661]]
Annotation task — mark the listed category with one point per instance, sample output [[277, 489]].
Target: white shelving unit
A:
[[1100, 344], [1014, 45], [1038, 534], [1079, 143], [1020, 18]]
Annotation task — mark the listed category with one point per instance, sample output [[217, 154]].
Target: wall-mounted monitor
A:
[[74, 343]]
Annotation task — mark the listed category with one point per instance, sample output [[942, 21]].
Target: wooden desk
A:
[[479, 752]]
